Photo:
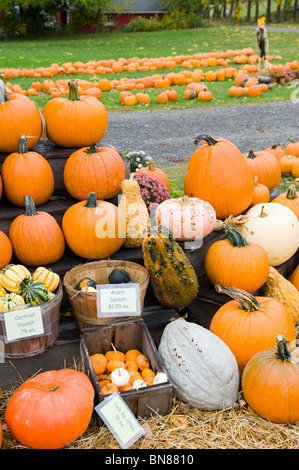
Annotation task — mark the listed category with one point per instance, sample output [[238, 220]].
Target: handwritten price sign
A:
[[20, 324], [118, 300]]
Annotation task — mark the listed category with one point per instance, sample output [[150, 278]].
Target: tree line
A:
[[29, 17]]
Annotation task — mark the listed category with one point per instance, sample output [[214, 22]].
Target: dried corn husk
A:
[[283, 290]]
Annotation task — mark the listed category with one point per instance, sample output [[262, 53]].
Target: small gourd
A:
[[279, 288], [120, 377], [35, 292], [139, 383], [173, 279], [47, 277], [119, 276], [160, 378], [136, 213], [14, 276], [9, 301], [85, 282], [88, 289]]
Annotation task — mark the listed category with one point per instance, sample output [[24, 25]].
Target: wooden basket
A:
[[38, 344], [146, 401], [84, 304]]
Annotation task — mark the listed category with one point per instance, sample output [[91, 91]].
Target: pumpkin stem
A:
[[282, 352], [247, 301], [53, 388], [207, 138], [91, 200], [73, 91], [92, 149], [273, 147], [235, 237], [263, 214], [22, 145], [255, 181], [151, 166], [30, 208], [251, 154], [291, 140], [291, 193]]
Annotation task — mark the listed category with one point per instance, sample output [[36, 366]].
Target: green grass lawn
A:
[[44, 52]]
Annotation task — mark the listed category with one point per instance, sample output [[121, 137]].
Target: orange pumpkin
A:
[[27, 172], [94, 229], [131, 354], [99, 363], [286, 162], [218, 173], [250, 324], [75, 121], [277, 151], [51, 409], [265, 166], [115, 355], [18, 115], [270, 383], [261, 193], [109, 388], [290, 199], [142, 362], [233, 262], [94, 169], [36, 237], [113, 364], [292, 148], [155, 172], [295, 168], [5, 250]]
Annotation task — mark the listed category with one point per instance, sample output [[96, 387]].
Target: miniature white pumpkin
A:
[[275, 228], [139, 383], [188, 218], [160, 378], [120, 377], [200, 366]]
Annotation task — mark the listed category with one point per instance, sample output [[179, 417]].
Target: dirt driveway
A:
[[168, 135]]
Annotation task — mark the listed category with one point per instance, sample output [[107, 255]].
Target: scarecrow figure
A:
[[262, 40]]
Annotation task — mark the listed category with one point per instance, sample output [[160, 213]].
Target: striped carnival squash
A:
[[2, 271], [9, 301], [172, 277], [47, 277], [34, 292], [3, 292], [13, 277]]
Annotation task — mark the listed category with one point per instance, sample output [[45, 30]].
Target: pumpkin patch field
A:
[[171, 288]]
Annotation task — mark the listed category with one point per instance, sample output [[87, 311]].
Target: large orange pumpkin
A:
[[94, 229], [290, 199], [75, 121], [18, 115], [270, 383], [51, 409], [154, 172], [27, 172], [1, 186], [218, 173], [36, 237], [5, 250], [250, 324], [94, 169], [265, 166], [232, 262]]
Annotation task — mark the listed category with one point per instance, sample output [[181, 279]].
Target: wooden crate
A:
[[127, 335]]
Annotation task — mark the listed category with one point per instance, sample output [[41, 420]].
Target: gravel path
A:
[[168, 135]]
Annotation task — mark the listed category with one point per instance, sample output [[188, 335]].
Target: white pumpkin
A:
[[120, 376], [201, 367], [275, 228], [188, 218]]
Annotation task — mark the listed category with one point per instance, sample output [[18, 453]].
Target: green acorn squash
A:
[[85, 282], [118, 276]]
